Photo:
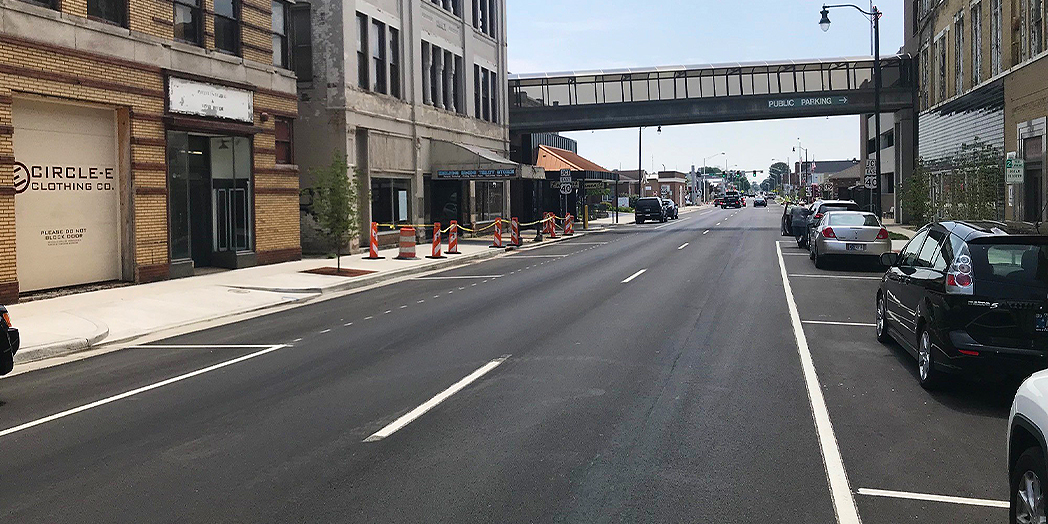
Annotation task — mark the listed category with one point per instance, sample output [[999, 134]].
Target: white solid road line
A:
[[537, 256], [678, 221], [934, 498], [682, 246], [410, 416], [840, 492], [200, 346], [845, 277], [633, 276], [133, 392], [831, 323], [458, 277], [707, 231]]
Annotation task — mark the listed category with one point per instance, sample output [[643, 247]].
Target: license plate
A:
[[1041, 321], [855, 247]]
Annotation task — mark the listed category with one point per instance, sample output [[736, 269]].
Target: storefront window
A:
[[390, 201], [490, 200]]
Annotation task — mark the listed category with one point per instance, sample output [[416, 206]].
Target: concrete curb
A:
[[99, 338]]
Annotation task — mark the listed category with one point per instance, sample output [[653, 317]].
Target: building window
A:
[[941, 48], [188, 21], [888, 139], [441, 78], [995, 38], [958, 54], [390, 201], [227, 26], [377, 43], [484, 17], [394, 62], [485, 95], [281, 57], [362, 52], [490, 199], [114, 11], [888, 183], [284, 130], [451, 6], [977, 42], [1036, 27], [302, 42], [925, 86]]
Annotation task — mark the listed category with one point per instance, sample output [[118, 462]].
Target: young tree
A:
[[335, 203]]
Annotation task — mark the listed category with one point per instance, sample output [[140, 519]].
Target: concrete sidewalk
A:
[[61, 325]]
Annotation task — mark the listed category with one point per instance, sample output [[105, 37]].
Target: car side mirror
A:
[[889, 259]]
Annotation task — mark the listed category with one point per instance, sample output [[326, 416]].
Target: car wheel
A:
[[927, 375], [820, 261], [1027, 483], [640, 220], [882, 320]]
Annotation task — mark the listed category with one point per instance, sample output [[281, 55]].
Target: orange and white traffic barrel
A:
[[553, 225], [373, 243], [514, 231], [407, 244], [436, 242], [497, 241], [569, 225], [453, 238]]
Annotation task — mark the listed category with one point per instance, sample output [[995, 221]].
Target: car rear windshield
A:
[[848, 219], [1015, 263], [838, 207], [648, 202]]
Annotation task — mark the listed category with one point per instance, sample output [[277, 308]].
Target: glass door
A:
[[231, 193]]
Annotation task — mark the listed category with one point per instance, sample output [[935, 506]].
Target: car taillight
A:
[[959, 274], [818, 216], [882, 234], [7, 319], [828, 233]]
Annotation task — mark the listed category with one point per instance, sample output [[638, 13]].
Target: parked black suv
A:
[[649, 208], [969, 297], [731, 199], [9, 342]]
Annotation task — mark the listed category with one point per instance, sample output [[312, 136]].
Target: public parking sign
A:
[[1014, 171]]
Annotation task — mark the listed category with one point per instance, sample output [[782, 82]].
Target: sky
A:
[[575, 35]]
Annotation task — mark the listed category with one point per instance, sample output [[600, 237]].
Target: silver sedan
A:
[[849, 233]]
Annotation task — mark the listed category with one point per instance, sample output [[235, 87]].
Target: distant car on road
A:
[[760, 202], [717, 202], [670, 209], [649, 208], [1026, 449], [849, 233], [968, 297], [731, 199], [9, 342], [770, 197]]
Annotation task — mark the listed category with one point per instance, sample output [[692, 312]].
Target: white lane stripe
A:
[[347, 324], [682, 246], [458, 277], [410, 416], [718, 223], [537, 256], [796, 254], [325, 331], [934, 498], [844, 277], [633, 276], [368, 318], [831, 323], [201, 346], [137, 391], [707, 231], [840, 492], [678, 221]]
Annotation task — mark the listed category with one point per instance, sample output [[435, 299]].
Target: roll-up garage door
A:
[[67, 201]]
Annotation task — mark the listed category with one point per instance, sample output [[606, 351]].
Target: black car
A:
[[760, 202], [731, 199], [9, 342], [969, 297], [670, 208], [650, 208]]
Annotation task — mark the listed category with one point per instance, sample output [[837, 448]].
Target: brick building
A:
[[142, 139]]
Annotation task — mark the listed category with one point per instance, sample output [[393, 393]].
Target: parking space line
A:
[[796, 254], [458, 277], [537, 256], [410, 416], [840, 492], [990, 503], [143, 389], [844, 277], [633, 276], [707, 231], [832, 323]]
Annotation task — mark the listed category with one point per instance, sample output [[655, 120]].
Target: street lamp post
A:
[[875, 17], [705, 197], [640, 159]]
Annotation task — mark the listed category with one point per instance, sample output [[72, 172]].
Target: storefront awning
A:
[[454, 161]]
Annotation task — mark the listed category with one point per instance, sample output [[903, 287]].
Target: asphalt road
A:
[[562, 385]]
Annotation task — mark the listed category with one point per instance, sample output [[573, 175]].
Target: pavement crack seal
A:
[[410, 416], [840, 491]]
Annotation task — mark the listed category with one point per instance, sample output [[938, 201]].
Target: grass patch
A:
[[897, 236]]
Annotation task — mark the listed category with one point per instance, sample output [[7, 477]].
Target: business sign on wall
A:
[[203, 99], [67, 199]]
